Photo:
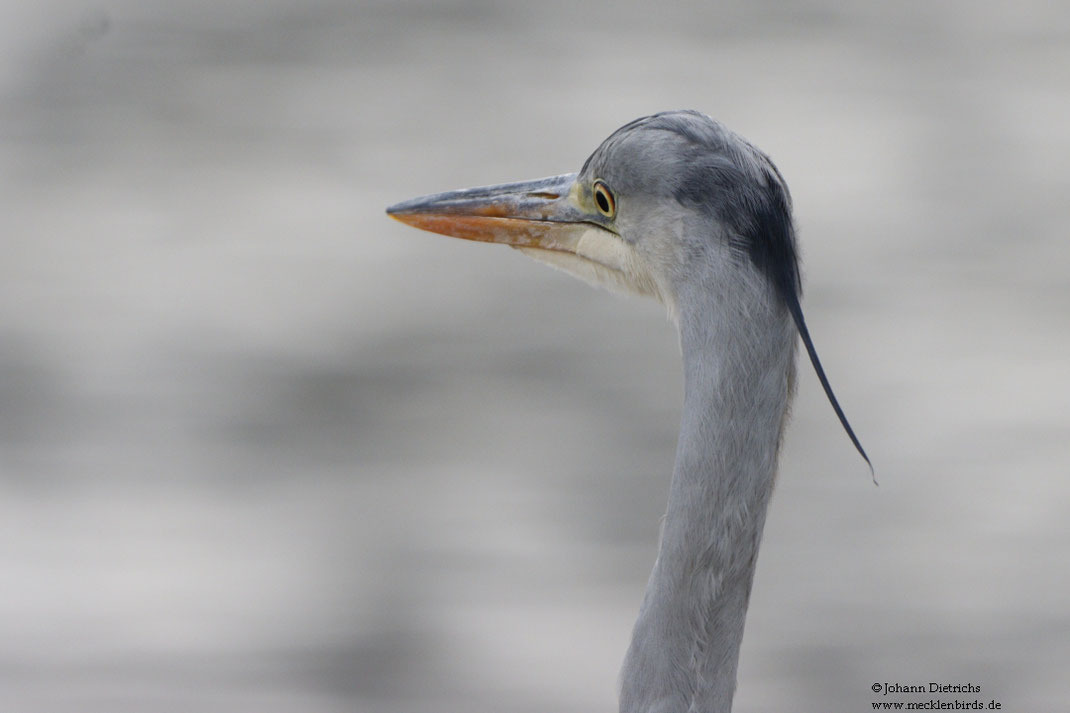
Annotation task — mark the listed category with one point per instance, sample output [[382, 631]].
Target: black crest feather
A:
[[758, 213], [771, 247]]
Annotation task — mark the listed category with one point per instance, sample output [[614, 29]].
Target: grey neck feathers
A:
[[738, 350]]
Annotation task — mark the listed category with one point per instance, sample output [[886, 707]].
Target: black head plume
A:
[[772, 249], [804, 333], [768, 236]]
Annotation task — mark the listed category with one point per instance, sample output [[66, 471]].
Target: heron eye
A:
[[603, 198]]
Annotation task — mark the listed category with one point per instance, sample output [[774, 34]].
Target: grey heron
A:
[[677, 207]]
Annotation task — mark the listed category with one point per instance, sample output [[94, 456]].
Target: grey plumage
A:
[[710, 169], [678, 207]]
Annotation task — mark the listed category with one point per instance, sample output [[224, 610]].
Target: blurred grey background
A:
[[263, 449]]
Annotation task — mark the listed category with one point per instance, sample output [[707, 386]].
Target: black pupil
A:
[[602, 199]]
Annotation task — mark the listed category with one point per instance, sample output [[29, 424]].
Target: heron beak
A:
[[533, 214], [545, 219]]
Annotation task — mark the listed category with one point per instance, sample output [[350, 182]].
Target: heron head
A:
[[672, 205], [666, 202]]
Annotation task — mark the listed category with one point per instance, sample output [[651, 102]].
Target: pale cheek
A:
[[604, 248]]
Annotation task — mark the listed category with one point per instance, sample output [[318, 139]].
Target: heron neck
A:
[[738, 374]]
